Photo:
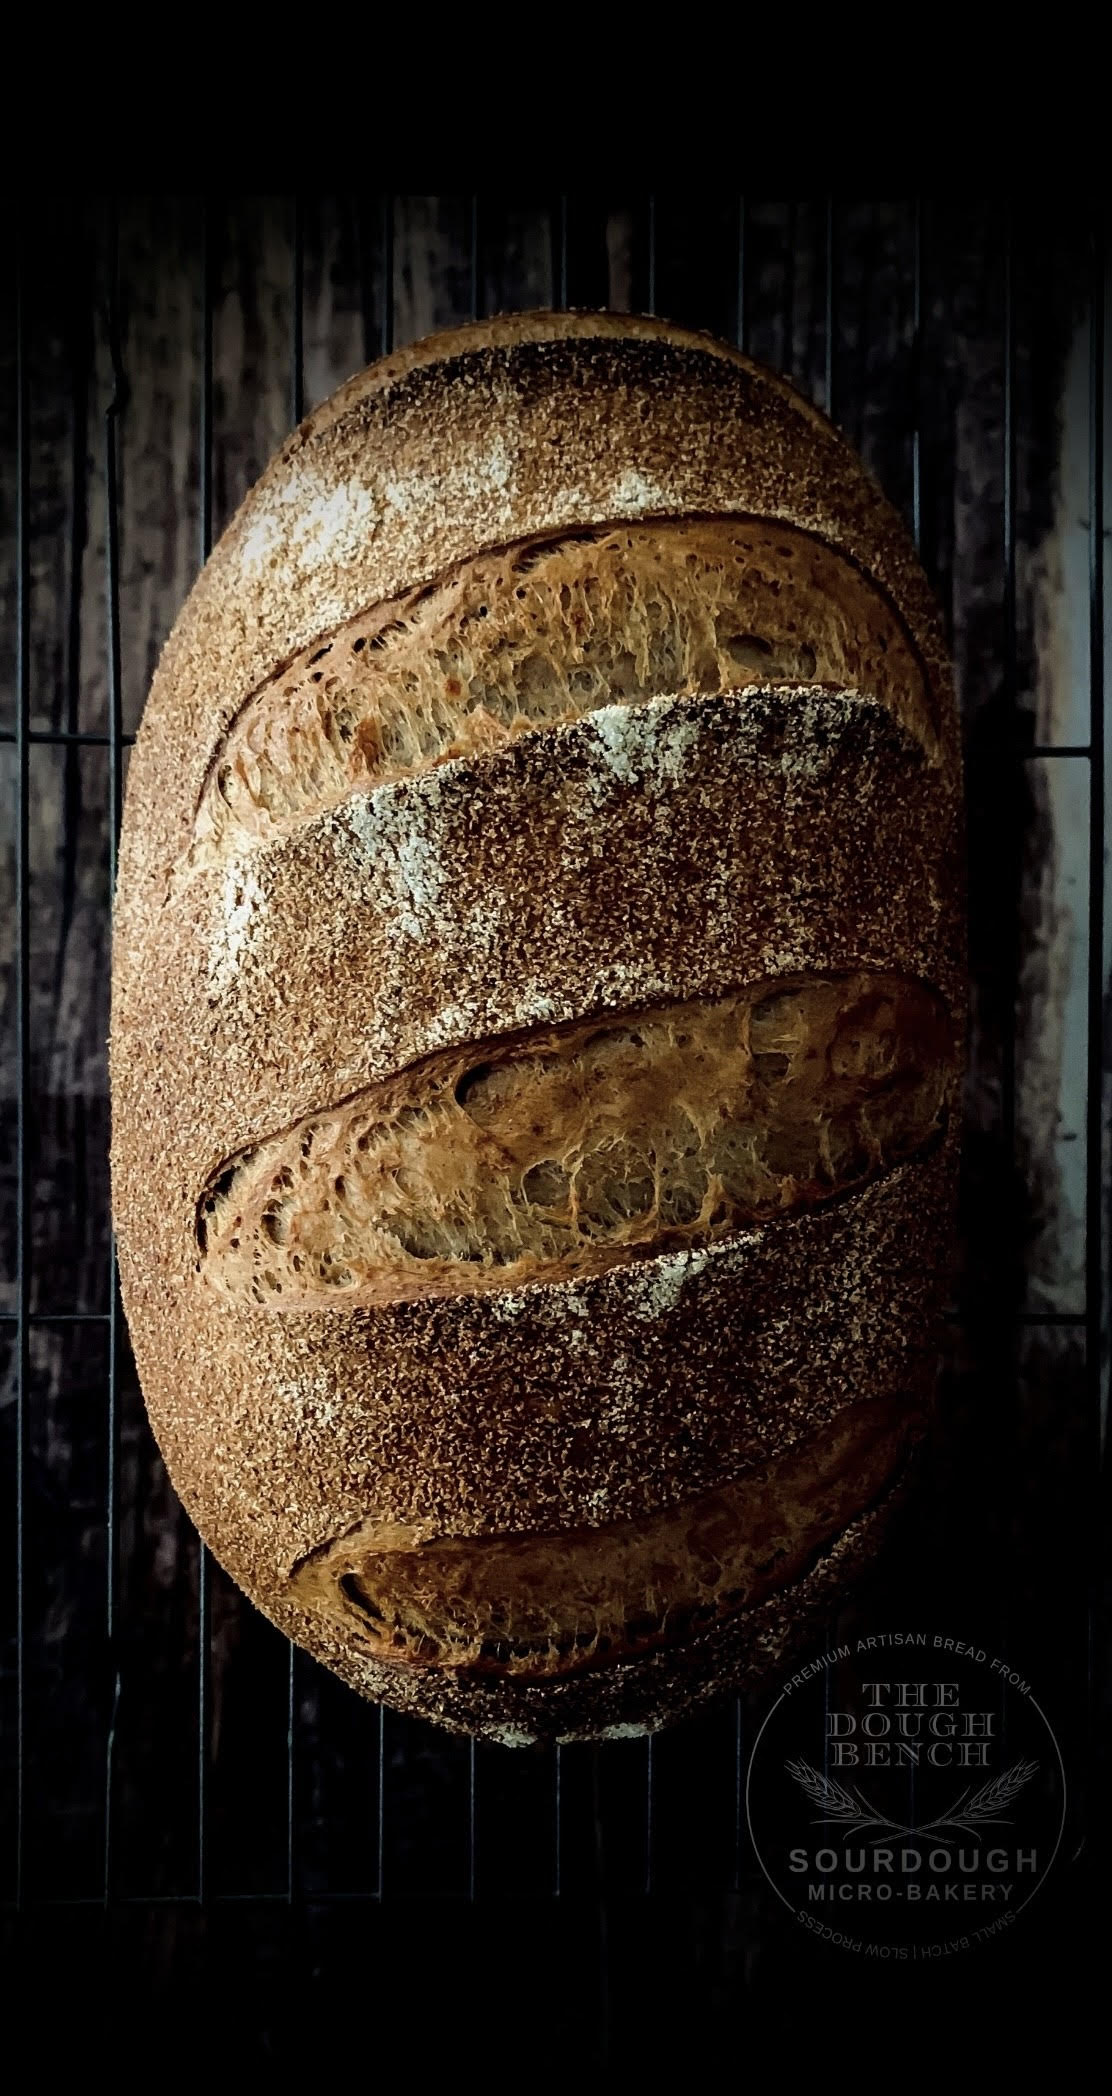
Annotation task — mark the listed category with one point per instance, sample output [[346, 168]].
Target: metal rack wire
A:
[[379, 335]]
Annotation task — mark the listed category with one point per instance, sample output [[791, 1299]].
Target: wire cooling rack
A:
[[165, 1748]]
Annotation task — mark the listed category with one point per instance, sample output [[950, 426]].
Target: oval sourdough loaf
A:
[[537, 1018]]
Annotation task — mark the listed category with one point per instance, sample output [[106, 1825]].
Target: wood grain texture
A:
[[993, 1536]]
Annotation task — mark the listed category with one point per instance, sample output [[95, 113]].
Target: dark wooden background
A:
[[363, 1872]]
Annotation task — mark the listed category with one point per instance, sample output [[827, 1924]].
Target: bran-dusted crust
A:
[[638, 1695], [539, 1160], [677, 848], [543, 1607], [543, 632], [597, 1400], [514, 429], [648, 854]]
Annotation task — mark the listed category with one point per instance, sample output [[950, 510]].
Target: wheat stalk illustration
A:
[[836, 1801], [988, 1803]]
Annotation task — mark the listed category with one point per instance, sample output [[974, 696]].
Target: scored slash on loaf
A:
[[538, 1010]]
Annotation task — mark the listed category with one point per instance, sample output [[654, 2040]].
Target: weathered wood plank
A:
[[341, 316], [432, 264], [872, 361], [161, 293], [1052, 1030]]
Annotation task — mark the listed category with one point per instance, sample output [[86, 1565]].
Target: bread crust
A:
[[678, 848], [545, 632], [639, 1695], [505, 431]]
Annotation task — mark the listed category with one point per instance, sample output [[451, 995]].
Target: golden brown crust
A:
[[642, 1694], [542, 633], [543, 1607], [509, 330], [507, 431], [584, 1145], [640, 856], [594, 1400], [576, 870]]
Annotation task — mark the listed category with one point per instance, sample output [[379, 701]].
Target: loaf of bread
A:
[[537, 1020]]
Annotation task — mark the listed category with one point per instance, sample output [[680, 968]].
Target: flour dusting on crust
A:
[[641, 745], [395, 833], [309, 521], [238, 916], [574, 873]]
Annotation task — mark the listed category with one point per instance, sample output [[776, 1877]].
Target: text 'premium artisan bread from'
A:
[[537, 1020]]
